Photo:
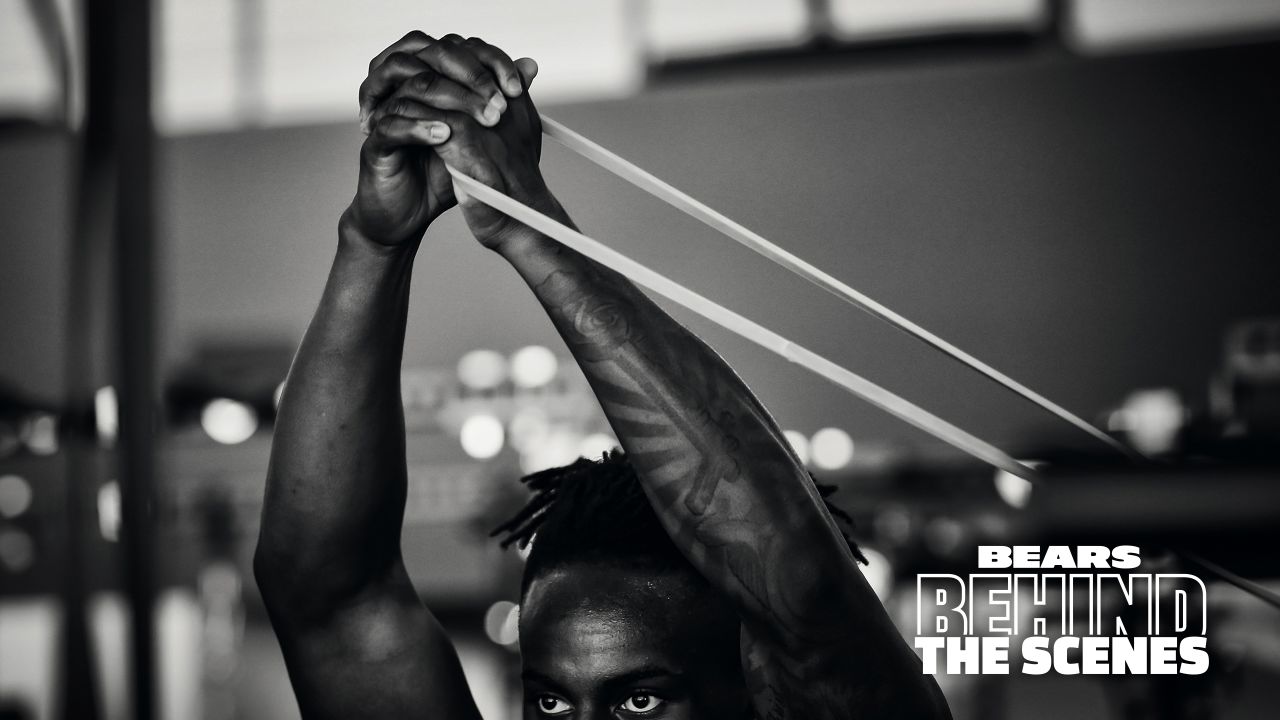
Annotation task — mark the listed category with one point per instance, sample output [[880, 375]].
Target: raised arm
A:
[[356, 638], [817, 643]]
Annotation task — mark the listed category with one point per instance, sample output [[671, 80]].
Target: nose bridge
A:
[[593, 710]]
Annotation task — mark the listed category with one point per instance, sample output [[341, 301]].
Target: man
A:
[[701, 576]]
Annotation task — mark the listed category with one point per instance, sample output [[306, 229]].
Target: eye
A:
[[552, 705], [641, 703]]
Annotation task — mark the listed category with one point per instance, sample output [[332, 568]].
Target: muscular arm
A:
[[817, 643], [357, 640]]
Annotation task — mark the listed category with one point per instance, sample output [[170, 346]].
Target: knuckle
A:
[[478, 76], [399, 106], [435, 51], [423, 83], [400, 60], [452, 38]]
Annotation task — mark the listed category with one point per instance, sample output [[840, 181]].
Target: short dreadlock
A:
[[597, 510]]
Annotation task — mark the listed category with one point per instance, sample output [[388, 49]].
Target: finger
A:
[[528, 69], [384, 79], [499, 63], [431, 88], [460, 64], [410, 43], [394, 132]]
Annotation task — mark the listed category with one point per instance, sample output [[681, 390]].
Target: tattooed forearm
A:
[[727, 488], [710, 456]]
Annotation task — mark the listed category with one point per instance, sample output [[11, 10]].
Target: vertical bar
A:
[[79, 696], [115, 222], [134, 323]]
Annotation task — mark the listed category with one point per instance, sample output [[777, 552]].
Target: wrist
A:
[[516, 240], [352, 238]]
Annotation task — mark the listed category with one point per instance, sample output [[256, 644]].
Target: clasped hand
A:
[[429, 102]]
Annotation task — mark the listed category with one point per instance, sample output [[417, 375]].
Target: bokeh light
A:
[[1012, 489], [1152, 419], [482, 436], [109, 514], [15, 495], [482, 369], [831, 448], [502, 623], [40, 433], [106, 415], [229, 421], [533, 366]]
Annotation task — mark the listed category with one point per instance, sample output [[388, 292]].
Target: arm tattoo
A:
[[724, 484]]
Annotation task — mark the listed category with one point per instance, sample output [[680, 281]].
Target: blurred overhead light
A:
[[228, 421], [678, 29], [106, 415], [109, 511], [40, 433], [533, 366], [15, 495], [1102, 26], [482, 436], [482, 369], [28, 80], [199, 85], [585, 49], [889, 19], [831, 448], [502, 623], [1012, 489], [1151, 419]]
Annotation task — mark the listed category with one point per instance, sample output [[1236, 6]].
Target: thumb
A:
[[528, 69]]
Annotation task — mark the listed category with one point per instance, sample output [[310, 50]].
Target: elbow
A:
[[301, 585], [283, 577], [269, 563], [292, 595]]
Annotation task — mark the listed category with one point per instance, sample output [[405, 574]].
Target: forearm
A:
[[336, 483], [733, 497], [716, 466]]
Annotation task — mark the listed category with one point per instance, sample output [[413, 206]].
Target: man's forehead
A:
[[598, 588]]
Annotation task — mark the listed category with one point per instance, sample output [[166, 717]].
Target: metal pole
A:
[[116, 202], [134, 322]]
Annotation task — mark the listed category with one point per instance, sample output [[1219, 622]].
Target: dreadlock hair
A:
[[597, 510]]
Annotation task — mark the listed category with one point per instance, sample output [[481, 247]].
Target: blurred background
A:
[[1083, 193]]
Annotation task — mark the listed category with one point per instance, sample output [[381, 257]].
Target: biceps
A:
[[385, 656]]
